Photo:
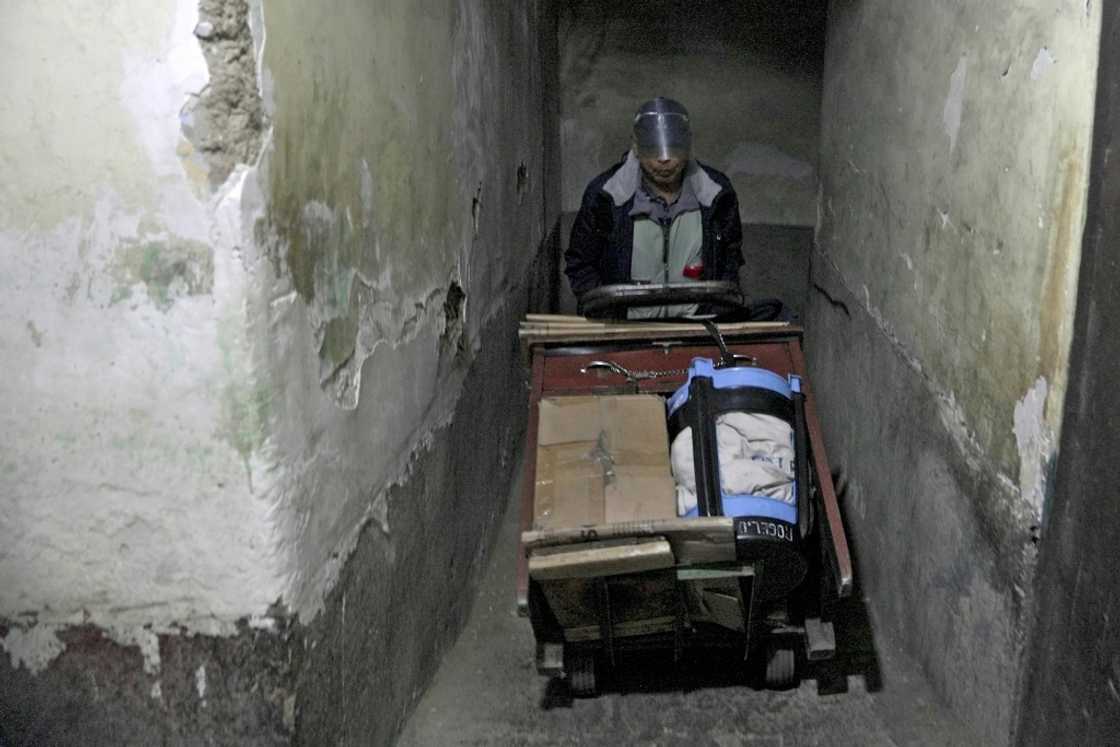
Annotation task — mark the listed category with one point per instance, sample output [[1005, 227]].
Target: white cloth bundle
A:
[[755, 458]]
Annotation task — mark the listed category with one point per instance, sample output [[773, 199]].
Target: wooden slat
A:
[[622, 629], [607, 332], [709, 539], [529, 478], [596, 560]]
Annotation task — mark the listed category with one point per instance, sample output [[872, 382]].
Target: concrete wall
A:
[[750, 74], [1073, 668], [251, 254], [953, 186]]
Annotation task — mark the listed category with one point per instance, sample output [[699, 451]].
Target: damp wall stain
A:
[[168, 269]]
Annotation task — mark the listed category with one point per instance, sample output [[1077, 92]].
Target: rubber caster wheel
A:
[[581, 676], [781, 668]]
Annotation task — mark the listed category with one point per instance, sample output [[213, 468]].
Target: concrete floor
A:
[[487, 692]]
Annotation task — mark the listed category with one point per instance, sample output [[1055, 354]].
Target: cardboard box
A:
[[602, 460]]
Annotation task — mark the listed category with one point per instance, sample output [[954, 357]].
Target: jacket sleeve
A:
[[729, 243], [589, 240]]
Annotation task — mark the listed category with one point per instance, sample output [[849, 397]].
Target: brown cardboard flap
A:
[[569, 490], [602, 459]]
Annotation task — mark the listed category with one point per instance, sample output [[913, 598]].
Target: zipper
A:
[[665, 247]]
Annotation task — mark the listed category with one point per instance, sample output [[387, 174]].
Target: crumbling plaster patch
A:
[[224, 122], [1036, 445], [34, 647], [954, 102]]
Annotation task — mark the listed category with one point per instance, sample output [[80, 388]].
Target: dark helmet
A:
[[662, 129]]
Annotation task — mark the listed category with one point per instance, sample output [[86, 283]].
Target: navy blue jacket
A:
[[602, 239]]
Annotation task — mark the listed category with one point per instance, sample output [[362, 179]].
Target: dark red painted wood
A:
[[837, 548]]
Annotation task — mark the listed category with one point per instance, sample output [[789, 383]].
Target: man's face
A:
[[664, 173]]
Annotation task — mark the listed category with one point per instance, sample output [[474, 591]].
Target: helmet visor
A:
[[662, 135]]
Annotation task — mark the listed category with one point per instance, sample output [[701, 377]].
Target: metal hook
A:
[[610, 366]]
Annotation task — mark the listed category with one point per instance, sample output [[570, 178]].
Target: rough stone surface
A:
[[225, 121], [1072, 693], [750, 74], [206, 689]]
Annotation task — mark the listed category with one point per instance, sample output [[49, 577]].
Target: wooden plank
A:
[[554, 318], [536, 334], [529, 478], [706, 528], [710, 572], [543, 330], [835, 538], [622, 629], [597, 560], [709, 539]]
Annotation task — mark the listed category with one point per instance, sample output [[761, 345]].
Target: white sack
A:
[[755, 457]]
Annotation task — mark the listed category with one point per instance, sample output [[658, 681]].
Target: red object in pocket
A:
[[693, 272]]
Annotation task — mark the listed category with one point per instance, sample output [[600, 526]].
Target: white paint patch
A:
[[143, 638], [200, 681], [1035, 441], [156, 692], [34, 648], [954, 102], [764, 159], [1043, 61]]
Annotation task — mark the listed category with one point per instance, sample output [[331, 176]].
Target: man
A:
[[658, 216]]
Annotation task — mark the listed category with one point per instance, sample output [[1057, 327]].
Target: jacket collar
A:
[[625, 182]]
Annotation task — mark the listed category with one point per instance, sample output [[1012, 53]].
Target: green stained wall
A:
[[950, 216], [395, 225], [953, 192]]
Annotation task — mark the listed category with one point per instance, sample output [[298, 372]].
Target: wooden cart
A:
[[622, 586]]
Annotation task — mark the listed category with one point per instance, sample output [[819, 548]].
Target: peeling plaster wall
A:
[[126, 443], [952, 201], [243, 302], [750, 74], [406, 222], [396, 225]]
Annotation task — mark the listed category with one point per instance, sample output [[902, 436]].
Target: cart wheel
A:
[[581, 675], [781, 668]]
